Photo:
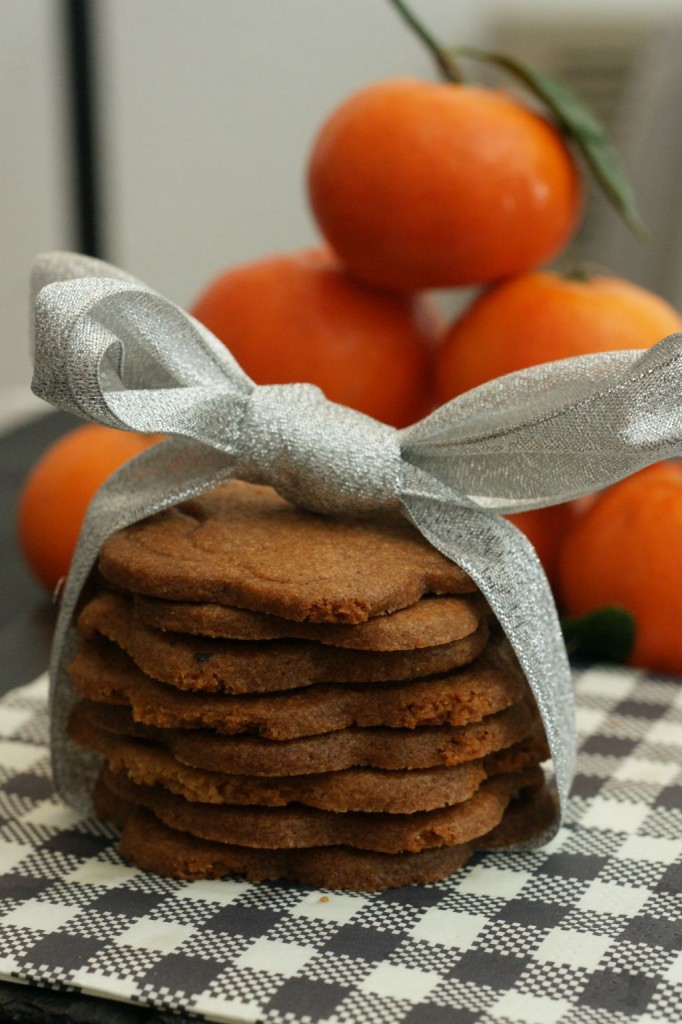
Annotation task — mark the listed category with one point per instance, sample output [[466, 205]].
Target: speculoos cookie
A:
[[153, 846], [242, 666], [243, 545], [297, 826], [355, 789], [102, 672], [430, 622], [392, 749]]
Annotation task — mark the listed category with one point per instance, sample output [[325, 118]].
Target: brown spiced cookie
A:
[[243, 545], [242, 666], [103, 673], [355, 789], [153, 846], [426, 623], [298, 826], [392, 749], [537, 808]]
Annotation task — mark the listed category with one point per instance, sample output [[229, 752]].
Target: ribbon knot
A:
[[115, 352], [319, 455]]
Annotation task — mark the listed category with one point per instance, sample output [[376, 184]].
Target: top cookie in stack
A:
[[285, 695]]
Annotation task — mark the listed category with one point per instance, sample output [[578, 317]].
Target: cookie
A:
[[296, 826], [355, 789], [529, 814], [427, 623], [104, 673], [153, 846], [392, 749], [243, 545], [242, 666]]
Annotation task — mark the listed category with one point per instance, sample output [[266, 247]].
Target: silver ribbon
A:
[[112, 351]]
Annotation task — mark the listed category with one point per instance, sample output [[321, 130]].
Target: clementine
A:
[[423, 185], [58, 489], [627, 550], [299, 317], [541, 316]]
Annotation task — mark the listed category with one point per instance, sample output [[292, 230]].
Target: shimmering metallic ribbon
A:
[[114, 352]]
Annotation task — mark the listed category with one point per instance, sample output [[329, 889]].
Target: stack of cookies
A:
[[278, 694]]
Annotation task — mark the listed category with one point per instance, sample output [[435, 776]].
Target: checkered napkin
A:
[[585, 931]]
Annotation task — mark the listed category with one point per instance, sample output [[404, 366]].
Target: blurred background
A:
[[171, 136]]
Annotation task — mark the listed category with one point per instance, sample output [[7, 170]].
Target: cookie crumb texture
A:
[[280, 695]]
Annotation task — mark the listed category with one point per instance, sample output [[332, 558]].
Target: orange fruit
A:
[[58, 490], [546, 528], [300, 317], [423, 185], [542, 316], [627, 550]]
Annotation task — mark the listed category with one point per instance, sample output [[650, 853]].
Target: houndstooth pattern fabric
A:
[[584, 931]]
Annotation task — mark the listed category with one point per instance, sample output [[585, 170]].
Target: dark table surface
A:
[[27, 616]]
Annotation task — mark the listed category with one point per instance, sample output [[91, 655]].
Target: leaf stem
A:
[[583, 271], [444, 61], [570, 114]]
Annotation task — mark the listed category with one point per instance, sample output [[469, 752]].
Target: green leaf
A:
[[579, 124], [607, 634]]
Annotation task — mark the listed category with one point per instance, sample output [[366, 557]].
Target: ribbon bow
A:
[[112, 351]]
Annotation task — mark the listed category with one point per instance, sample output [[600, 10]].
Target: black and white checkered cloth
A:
[[585, 931]]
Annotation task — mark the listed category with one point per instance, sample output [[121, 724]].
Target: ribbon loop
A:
[[554, 432]]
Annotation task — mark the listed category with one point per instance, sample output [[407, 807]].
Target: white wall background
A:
[[208, 111], [34, 168], [211, 108]]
